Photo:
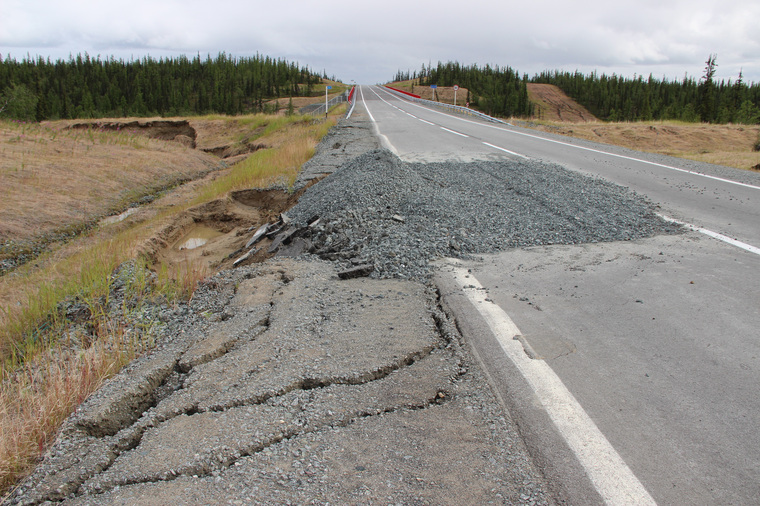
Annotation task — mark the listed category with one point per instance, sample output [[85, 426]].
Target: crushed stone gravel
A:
[[378, 210], [258, 392]]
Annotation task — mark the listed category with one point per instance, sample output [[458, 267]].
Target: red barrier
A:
[[404, 92], [351, 94]]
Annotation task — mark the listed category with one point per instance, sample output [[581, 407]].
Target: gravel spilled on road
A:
[[397, 216], [279, 383]]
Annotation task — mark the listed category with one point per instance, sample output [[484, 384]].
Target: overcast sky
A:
[[368, 43]]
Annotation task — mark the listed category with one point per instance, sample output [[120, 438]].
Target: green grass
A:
[[271, 166]]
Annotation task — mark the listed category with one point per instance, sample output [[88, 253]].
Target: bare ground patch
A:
[[56, 183], [551, 103], [59, 179], [213, 235]]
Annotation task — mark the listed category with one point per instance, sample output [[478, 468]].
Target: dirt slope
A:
[[552, 104]]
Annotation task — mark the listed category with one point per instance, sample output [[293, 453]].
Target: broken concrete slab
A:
[[258, 235], [216, 438], [297, 247], [246, 256]]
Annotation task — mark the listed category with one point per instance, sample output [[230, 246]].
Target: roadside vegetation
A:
[[79, 309], [729, 145], [700, 119], [502, 91], [87, 87]]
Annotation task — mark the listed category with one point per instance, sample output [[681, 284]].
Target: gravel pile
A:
[[397, 216]]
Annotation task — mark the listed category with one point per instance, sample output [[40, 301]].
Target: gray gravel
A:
[[281, 384], [397, 216]]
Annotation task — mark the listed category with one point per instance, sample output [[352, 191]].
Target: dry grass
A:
[[267, 167], [52, 177], [37, 397], [45, 372], [730, 145]]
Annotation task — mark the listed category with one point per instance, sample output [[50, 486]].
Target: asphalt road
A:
[[652, 346]]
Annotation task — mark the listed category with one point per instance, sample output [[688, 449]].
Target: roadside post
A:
[[456, 87], [326, 88], [433, 87]]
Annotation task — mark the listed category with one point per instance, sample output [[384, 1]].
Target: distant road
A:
[[657, 340]]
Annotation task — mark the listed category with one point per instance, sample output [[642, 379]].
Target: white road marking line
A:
[[383, 139], [453, 132], [700, 174], [412, 115], [365, 105], [611, 476], [624, 157], [505, 150], [714, 235], [429, 123]]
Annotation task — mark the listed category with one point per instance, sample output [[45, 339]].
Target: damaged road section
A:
[[295, 387], [395, 216]]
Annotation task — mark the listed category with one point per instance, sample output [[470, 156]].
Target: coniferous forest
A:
[[500, 91], [86, 87], [495, 90]]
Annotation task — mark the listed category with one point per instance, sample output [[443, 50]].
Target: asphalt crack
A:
[[219, 438]]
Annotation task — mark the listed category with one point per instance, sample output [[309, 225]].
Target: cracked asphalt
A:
[[296, 387]]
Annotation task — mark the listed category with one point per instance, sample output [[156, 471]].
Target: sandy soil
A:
[[552, 104]]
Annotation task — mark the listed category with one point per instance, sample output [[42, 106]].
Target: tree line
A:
[[614, 98], [502, 92], [495, 90], [86, 87]]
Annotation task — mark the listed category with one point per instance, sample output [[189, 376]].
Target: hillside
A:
[[552, 104]]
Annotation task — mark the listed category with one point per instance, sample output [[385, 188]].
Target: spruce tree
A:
[[706, 104]]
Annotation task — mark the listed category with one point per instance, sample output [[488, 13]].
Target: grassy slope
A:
[[729, 145], [46, 370], [52, 177]]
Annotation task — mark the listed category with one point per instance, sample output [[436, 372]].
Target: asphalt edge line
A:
[[454, 132], [384, 141], [505, 150], [602, 152], [609, 474], [714, 235]]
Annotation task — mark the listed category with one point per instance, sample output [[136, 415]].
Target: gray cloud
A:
[[369, 43]]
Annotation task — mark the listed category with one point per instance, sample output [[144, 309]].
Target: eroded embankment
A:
[[186, 132], [279, 383], [165, 130], [214, 235]]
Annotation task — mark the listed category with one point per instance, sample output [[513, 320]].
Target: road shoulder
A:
[[296, 386]]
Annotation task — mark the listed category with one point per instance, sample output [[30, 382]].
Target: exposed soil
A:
[[58, 179], [552, 104], [443, 94], [165, 130], [56, 183], [214, 235], [216, 137]]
